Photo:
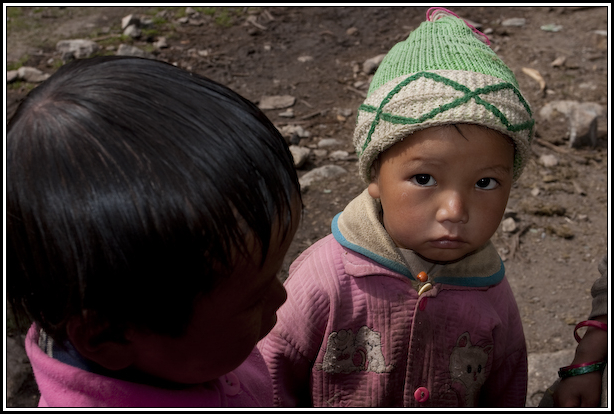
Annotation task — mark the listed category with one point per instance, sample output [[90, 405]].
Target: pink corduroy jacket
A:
[[63, 385], [355, 332]]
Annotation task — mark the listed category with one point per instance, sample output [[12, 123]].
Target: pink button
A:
[[421, 394], [232, 386]]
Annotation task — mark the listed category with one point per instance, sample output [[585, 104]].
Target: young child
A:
[[148, 213], [406, 303]]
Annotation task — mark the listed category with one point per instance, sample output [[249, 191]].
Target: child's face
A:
[[443, 194], [226, 325]]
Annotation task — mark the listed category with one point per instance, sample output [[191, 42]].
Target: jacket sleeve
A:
[[292, 346], [599, 291]]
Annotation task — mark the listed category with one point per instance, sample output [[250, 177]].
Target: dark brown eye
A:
[[423, 179]]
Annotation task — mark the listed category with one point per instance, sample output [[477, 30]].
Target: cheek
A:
[[491, 217]]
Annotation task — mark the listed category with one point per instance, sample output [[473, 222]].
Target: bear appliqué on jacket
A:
[[347, 352]]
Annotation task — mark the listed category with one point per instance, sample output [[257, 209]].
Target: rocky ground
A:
[[309, 67]]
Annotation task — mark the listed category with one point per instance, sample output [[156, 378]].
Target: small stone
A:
[[162, 43], [81, 48], [372, 64], [328, 142], [551, 27], [128, 20], [288, 131], [577, 188], [133, 31], [549, 178], [128, 50], [509, 225], [582, 217], [32, 75], [345, 112], [276, 102], [299, 154], [288, 113], [338, 155], [352, 31], [304, 59], [11, 76], [560, 61], [324, 172], [195, 22], [514, 21], [535, 191], [548, 160]]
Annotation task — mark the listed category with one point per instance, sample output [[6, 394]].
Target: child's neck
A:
[[67, 354]]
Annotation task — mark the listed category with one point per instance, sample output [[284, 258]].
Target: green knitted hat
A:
[[443, 73]]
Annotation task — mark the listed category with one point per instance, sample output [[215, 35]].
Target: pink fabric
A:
[[354, 333], [62, 385]]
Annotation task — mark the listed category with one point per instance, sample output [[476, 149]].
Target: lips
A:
[[448, 242]]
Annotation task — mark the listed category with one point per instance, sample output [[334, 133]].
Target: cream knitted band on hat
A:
[[442, 74]]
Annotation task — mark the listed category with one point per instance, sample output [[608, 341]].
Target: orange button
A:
[[422, 277]]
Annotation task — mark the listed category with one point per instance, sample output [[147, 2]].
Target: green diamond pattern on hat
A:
[[442, 74], [460, 100]]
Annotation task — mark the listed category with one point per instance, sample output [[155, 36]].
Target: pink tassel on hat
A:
[[435, 13]]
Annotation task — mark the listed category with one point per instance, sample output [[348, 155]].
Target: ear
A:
[[373, 189], [88, 338]]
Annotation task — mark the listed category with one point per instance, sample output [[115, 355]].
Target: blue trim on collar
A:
[[390, 264], [468, 281]]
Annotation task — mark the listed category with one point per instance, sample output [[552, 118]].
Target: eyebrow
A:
[[498, 168], [421, 160]]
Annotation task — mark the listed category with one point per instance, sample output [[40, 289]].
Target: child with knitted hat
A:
[[406, 302]]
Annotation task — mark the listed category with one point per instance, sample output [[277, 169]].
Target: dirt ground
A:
[[561, 211]]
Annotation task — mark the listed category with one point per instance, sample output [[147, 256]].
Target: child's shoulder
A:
[[327, 258], [325, 250]]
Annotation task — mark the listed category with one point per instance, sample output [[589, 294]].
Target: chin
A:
[[445, 258]]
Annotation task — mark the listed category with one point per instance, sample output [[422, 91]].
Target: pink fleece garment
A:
[[355, 333], [62, 385]]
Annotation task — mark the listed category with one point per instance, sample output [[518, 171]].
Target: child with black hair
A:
[[148, 214], [406, 302]]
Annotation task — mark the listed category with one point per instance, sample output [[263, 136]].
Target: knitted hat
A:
[[443, 73]]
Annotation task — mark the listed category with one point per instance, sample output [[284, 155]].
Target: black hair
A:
[[131, 187]]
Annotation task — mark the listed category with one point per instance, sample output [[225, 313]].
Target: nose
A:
[[452, 208]]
